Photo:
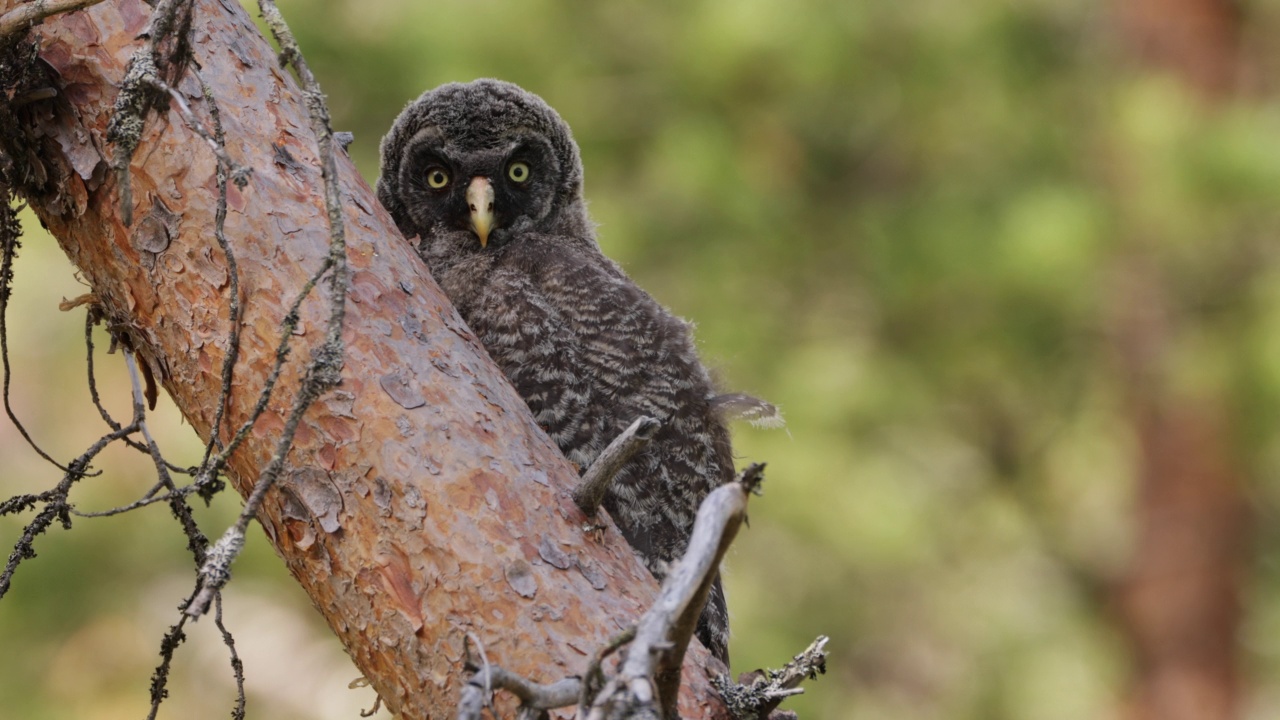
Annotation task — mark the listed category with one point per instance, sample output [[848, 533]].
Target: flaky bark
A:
[[421, 501]]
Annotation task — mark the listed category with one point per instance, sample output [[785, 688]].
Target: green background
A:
[[903, 223]]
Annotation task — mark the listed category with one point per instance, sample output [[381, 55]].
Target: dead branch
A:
[[532, 696], [596, 480], [23, 17], [649, 678], [650, 675], [759, 693]]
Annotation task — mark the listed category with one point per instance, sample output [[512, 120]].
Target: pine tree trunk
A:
[[1180, 600], [421, 502]]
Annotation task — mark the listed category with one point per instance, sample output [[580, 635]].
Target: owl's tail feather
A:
[[740, 406], [713, 624]]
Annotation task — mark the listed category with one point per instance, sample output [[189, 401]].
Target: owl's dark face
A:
[[478, 165]]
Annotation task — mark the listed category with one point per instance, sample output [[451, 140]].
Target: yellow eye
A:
[[437, 178], [518, 171]]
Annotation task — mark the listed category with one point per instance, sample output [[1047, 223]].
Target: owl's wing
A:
[[636, 358], [631, 357], [628, 356], [526, 333]]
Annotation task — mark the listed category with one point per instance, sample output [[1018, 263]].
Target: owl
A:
[[488, 177]]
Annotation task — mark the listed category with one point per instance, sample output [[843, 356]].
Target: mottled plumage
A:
[[587, 349]]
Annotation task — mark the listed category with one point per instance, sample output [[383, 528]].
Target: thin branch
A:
[[56, 507], [9, 232], [196, 540], [533, 695], [325, 369], [217, 568], [27, 15], [649, 679], [328, 360], [215, 465], [150, 498], [477, 694], [595, 481], [92, 318], [766, 689], [233, 290], [468, 641], [239, 173], [650, 673], [174, 637], [237, 667], [593, 679]]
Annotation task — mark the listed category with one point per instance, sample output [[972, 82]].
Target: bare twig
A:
[[469, 641], [763, 690], [211, 483], [237, 667], [649, 679], [149, 498], [217, 569], [196, 540], [239, 173], [325, 369], [23, 17], [9, 233], [532, 695], [477, 694], [595, 481], [175, 636], [92, 318], [593, 679], [56, 505], [214, 465]]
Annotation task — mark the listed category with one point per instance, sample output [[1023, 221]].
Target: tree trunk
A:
[[421, 502], [1180, 600]]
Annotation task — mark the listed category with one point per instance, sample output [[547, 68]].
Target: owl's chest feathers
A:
[[500, 290], [582, 343]]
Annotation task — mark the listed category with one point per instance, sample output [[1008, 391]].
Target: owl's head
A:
[[481, 163]]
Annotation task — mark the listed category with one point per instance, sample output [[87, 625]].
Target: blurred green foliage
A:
[[905, 224]]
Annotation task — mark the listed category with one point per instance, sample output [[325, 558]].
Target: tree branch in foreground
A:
[[759, 693], [649, 676], [22, 17]]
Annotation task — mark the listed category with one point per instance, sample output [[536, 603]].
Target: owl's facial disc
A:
[[480, 204]]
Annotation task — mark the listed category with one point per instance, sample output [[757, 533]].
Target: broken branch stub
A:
[[596, 480]]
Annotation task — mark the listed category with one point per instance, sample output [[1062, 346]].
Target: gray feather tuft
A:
[[739, 406]]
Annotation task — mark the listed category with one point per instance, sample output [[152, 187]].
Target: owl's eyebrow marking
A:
[[519, 148], [526, 138], [430, 132]]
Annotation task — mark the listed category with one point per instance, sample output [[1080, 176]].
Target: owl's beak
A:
[[480, 202]]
